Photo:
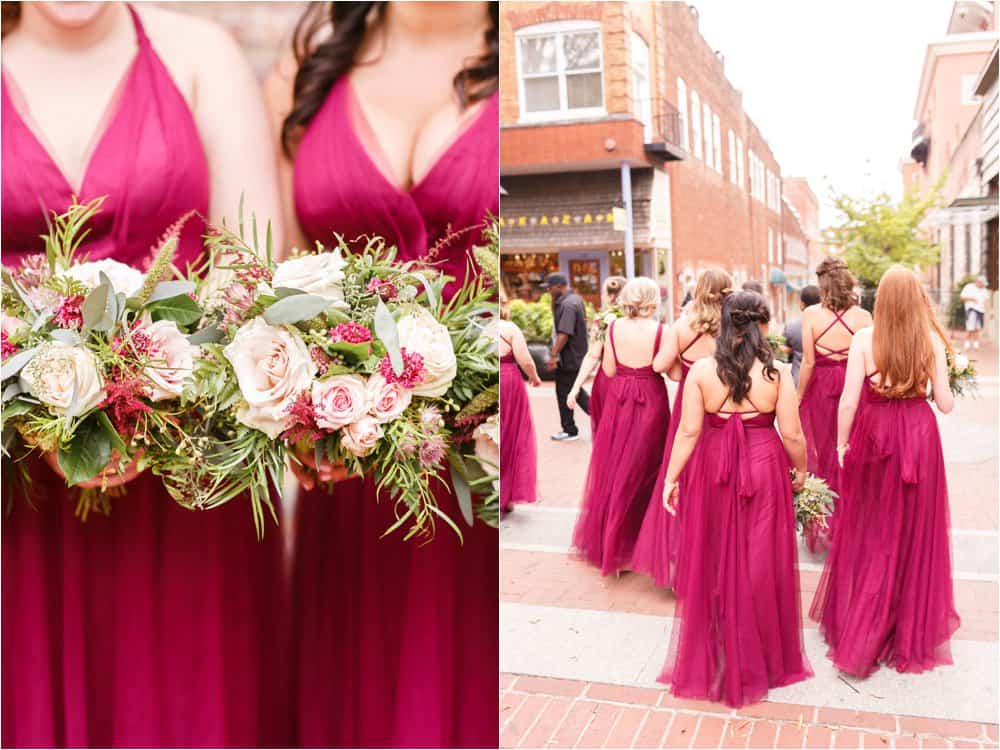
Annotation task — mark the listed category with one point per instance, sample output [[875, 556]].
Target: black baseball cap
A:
[[555, 279]]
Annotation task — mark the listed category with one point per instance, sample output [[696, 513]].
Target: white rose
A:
[[171, 360], [487, 437], [610, 318], [123, 278], [272, 367], [65, 378], [321, 274], [386, 401], [961, 362], [419, 332], [361, 437], [339, 400]]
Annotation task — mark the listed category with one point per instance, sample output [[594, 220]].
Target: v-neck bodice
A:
[[147, 159], [340, 189]]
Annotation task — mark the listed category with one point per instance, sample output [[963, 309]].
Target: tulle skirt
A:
[[886, 596], [627, 452], [395, 642], [155, 626], [818, 412], [738, 629], [597, 391], [518, 449]]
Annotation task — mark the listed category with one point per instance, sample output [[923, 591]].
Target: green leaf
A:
[[11, 391], [388, 334], [95, 308], [170, 289], [65, 336], [210, 335], [284, 291], [116, 439], [357, 352], [87, 453], [295, 308], [181, 309], [462, 493], [15, 364], [16, 409]]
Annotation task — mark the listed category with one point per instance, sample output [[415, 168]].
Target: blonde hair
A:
[[714, 285], [613, 286], [640, 298]]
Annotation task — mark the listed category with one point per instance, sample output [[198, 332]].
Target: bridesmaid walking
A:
[[691, 337], [885, 596], [518, 449], [609, 297], [738, 629], [633, 427], [827, 331]]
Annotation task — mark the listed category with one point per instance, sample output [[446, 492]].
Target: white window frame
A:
[[682, 111], [706, 113], [717, 141], [968, 88], [770, 246], [638, 43], [741, 165], [732, 156], [557, 29], [696, 125]]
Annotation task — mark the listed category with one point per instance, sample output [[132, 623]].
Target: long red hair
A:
[[901, 340]]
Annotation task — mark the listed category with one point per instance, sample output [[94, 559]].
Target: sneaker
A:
[[565, 437]]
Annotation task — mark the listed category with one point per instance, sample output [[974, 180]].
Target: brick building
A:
[[603, 99]]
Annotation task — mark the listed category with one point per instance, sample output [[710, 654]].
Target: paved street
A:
[[580, 653]]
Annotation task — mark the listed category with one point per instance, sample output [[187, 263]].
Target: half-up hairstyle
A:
[[836, 284], [741, 343], [713, 286], [640, 298], [321, 64], [10, 16], [613, 286]]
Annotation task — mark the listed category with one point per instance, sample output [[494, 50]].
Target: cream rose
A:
[[321, 274], [64, 378], [11, 324], [487, 437], [171, 360], [386, 401], [338, 401], [123, 278], [960, 362], [420, 332], [272, 368], [361, 437]]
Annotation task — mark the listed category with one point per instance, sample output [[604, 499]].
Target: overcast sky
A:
[[832, 85]]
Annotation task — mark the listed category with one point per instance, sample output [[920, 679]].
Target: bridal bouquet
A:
[[95, 359], [603, 320], [813, 506], [961, 374], [779, 347], [352, 358]]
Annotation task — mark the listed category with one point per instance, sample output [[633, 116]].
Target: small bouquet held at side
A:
[[814, 505], [961, 374]]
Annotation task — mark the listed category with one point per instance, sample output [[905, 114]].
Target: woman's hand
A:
[[109, 478], [307, 472], [841, 452], [571, 399], [535, 381], [670, 497], [798, 480]]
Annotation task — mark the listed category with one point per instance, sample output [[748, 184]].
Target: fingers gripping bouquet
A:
[[95, 360], [814, 504], [351, 358]]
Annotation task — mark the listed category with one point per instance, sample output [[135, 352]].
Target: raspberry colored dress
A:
[[886, 596], [738, 630], [626, 453], [518, 449], [597, 390], [156, 626], [818, 412], [659, 541], [396, 642]]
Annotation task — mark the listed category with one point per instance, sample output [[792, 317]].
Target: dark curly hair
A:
[[836, 284], [320, 65], [741, 342]]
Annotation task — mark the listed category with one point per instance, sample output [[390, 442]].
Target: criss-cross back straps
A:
[[838, 317], [729, 395], [684, 350]]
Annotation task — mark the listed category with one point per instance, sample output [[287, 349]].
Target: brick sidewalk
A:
[[544, 712]]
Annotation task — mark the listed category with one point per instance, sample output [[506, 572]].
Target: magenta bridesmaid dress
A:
[[738, 628], [626, 453], [396, 642], [886, 596], [597, 390], [659, 541], [518, 448], [155, 626], [818, 412]]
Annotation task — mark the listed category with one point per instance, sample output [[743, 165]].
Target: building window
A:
[[770, 245], [969, 89], [640, 85], [968, 249], [682, 110], [717, 142], [696, 124], [740, 165], [733, 173], [560, 70], [709, 153], [780, 249]]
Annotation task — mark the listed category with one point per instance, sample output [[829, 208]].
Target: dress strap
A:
[[656, 341], [611, 339], [140, 30], [838, 317], [690, 344]]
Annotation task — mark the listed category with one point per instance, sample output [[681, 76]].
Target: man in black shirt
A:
[[569, 347]]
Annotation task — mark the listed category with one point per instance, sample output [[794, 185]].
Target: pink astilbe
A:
[[124, 405], [350, 333], [33, 271], [6, 347], [69, 313], [303, 420], [321, 358], [413, 370], [384, 288]]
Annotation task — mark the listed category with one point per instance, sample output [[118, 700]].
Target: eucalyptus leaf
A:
[[13, 365], [295, 308], [432, 299], [66, 336], [463, 494], [181, 309], [41, 320], [388, 334], [168, 289], [11, 391], [210, 335], [87, 453], [95, 308], [286, 291], [16, 408]]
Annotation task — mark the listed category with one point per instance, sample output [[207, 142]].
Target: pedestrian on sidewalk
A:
[[793, 329], [569, 348], [974, 295]]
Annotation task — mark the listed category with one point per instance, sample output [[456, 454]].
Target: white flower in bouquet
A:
[[961, 362], [610, 318], [361, 437], [420, 332], [10, 324], [272, 368], [64, 378], [386, 401], [123, 278], [171, 360], [339, 401], [487, 437], [321, 274]]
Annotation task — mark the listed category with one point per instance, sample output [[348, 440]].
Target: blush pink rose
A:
[[339, 401], [386, 401], [361, 437]]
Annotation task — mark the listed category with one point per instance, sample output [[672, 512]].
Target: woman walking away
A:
[[738, 632], [628, 446], [691, 337], [886, 592]]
